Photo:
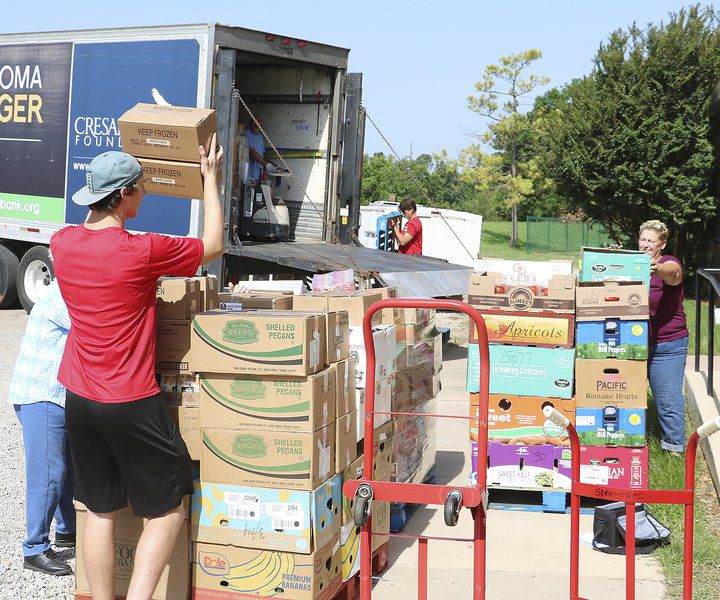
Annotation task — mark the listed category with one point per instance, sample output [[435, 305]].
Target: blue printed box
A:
[[599, 264], [268, 519], [612, 338], [524, 371], [611, 426]]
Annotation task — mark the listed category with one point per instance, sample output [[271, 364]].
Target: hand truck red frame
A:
[[366, 490], [686, 497]]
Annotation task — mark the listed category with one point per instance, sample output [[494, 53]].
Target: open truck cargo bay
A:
[[63, 93]]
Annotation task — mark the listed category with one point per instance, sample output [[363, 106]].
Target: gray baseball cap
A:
[[106, 173]]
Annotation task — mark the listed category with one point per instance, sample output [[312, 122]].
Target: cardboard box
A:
[[383, 404], [414, 387], [270, 342], [519, 419], [356, 304], [544, 330], [210, 288], [180, 390], [177, 298], [426, 353], [384, 342], [383, 459], [603, 382], [612, 338], [345, 440], [598, 264], [175, 579], [189, 426], [360, 408], [231, 573], [389, 316], [416, 325], [173, 347], [350, 538], [291, 460], [524, 272], [525, 467], [268, 519], [255, 299], [611, 426], [172, 178], [167, 132], [267, 402], [524, 371], [487, 291], [626, 468], [598, 300], [337, 334], [344, 385]]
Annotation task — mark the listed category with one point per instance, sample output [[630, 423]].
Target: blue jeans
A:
[[666, 369], [48, 474]]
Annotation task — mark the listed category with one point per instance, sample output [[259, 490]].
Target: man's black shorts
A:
[[127, 451]]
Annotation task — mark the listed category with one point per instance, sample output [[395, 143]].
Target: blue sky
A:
[[419, 59]]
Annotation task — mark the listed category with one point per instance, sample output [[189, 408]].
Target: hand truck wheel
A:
[[362, 507], [453, 502]]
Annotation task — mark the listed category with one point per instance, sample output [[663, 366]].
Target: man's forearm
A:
[[213, 222]]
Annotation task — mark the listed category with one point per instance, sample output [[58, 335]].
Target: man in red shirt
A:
[[124, 444], [410, 238]]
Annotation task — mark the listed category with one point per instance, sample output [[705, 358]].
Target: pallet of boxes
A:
[[351, 411], [529, 312], [611, 367]]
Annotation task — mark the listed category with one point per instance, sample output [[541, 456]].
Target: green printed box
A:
[[599, 264]]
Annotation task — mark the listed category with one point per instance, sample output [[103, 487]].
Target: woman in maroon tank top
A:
[[668, 341]]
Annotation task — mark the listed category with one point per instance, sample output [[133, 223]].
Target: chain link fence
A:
[[551, 234]]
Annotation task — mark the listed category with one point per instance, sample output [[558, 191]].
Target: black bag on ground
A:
[[609, 529]]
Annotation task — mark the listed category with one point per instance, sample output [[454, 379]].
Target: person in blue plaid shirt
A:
[[39, 402]]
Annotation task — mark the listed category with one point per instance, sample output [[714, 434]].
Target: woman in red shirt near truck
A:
[[410, 238], [124, 444], [668, 343]]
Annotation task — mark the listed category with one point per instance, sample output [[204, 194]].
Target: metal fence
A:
[[550, 234]]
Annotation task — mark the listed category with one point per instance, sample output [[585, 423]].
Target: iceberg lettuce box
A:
[[599, 264], [612, 338], [524, 371], [268, 342], [234, 573], [268, 402], [268, 519], [275, 459]]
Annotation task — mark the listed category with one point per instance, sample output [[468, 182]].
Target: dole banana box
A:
[[267, 402], [290, 460], [520, 419], [344, 385], [611, 426], [599, 300], [345, 440], [267, 519], [167, 132], [599, 264], [177, 298], [544, 330], [612, 338], [524, 272], [611, 382], [525, 371], [350, 538], [173, 347], [490, 291], [267, 342], [175, 578], [233, 573]]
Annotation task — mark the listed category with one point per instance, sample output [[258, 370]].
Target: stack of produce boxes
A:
[[351, 377], [528, 309], [266, 513], [611, 367]]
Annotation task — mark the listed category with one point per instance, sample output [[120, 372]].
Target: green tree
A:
[[500, 92], [631, 141]]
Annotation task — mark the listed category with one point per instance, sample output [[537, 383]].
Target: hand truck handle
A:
[[556, 417], [709, 427]]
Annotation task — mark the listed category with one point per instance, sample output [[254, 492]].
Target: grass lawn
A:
[[495, 243], [668, 472], [689, 306]]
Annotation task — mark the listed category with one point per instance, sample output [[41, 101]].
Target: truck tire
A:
[[8, 277], [34, 274]]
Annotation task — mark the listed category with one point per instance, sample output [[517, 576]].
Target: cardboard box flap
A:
[[156, 114]]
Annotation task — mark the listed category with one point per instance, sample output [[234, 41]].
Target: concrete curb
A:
[[703, 407]]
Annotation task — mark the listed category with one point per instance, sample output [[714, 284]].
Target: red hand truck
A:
[[686, 497], [366, 490]]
